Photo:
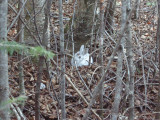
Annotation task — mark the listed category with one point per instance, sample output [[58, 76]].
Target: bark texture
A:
[[131, 66], [158, 39], [20, 56], [136, 9], [109, 16], [45, 41], [83, 22], [101, 41], [118, 88], [62, 78], [35, 17], [4, 87]]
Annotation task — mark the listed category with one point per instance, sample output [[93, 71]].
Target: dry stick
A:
[[16, 18], [55, 39], [68, 79], [72, 26], [128, 72], [144, 78], [35, 20], [148, 75], [25, 25], [94, 74], [93, 27], [19, 111], [15, 112], [96, 90], [90, 93], [51, 84], [79, 93], [110, 37]]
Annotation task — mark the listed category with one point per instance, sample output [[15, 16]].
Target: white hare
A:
[[81, 58]]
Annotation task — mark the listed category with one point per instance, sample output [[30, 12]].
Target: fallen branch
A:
[[79, 93]]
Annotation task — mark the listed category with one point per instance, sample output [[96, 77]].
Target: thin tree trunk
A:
[[101, 52], [20, 56], [118, 88], [4, 87], [37, 91], [158, 38], [36, 23], [109, 16], [136, 9], [41, 58], [130, 63], [62, 81]]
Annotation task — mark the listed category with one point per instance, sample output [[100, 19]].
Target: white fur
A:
[[81, 58]]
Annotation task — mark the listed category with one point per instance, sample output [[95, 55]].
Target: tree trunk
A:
[[4, 87], [83, 23], [158, 38], [62, 78], [109, 16], [20, 56], [35, 17], [130, 63], [118, 88], [136, 9], [45, 41], [101, 40]]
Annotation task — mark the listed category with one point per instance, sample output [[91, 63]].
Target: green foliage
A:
[[17, 100], [150, 4], [12, 46]]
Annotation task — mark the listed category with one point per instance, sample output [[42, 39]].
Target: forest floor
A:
[[146, 82]]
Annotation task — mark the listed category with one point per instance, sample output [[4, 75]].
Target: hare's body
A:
[[81, 58]]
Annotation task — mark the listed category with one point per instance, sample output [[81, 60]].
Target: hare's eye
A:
[[79, 56]]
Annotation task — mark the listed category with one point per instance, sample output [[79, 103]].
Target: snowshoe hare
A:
[[81, 58]]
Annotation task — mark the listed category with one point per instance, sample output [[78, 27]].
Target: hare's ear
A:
[[81, 49]]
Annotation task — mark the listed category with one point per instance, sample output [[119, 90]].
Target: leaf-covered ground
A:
[[146, 79]]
